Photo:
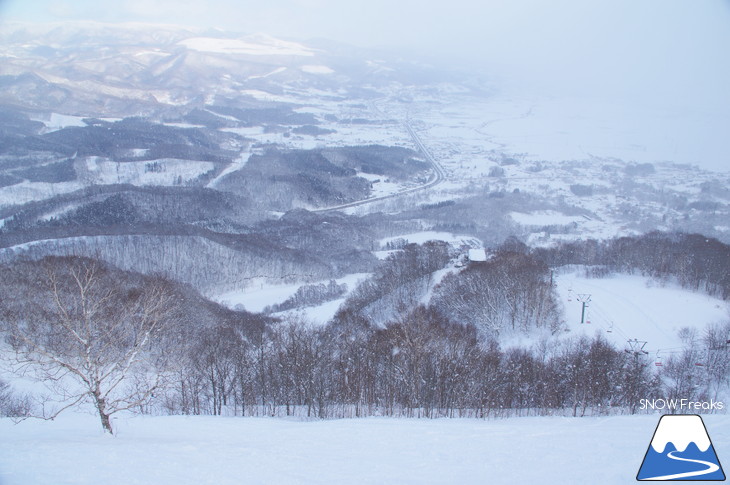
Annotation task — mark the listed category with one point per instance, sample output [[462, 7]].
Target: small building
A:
[[477, 254]]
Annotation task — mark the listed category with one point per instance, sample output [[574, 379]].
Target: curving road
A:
[[439, 176]]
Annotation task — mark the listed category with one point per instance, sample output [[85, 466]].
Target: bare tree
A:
[[11, 404], [91, 332]]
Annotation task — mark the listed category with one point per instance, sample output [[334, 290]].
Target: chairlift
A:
[[658, 362], [610, 329]]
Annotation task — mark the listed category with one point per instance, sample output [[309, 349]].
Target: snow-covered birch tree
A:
[[90, 334]]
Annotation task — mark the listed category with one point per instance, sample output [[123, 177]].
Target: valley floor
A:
[[208, 450]]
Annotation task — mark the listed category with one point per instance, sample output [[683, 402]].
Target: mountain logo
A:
[[681, 450]]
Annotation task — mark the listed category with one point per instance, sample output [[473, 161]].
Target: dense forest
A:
[[694, 261]]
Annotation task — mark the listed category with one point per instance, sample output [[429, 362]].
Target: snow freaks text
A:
[[675, 404]]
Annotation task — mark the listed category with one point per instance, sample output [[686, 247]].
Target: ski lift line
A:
[[598, 313], [596, 309], [617, 329], [670, 352], [611, 325], [599, 309], [631, 304], [673, 349], [636, 347], [608, 325], [658, 362]]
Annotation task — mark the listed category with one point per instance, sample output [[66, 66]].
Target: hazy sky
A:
[[655, 50], [627, 44]]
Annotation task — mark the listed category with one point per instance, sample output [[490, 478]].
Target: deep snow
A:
[[208, 450]]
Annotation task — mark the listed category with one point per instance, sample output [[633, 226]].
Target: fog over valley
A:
[[318, 211]]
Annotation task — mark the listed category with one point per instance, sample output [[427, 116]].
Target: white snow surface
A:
[[256, 296], [544, 218], [259, 45], [58, 121], [234, 166], [317, 315], [260, 294], [179, 450], [170, 171], [317, 69], [559, 128], [636, 307], [29, 191]]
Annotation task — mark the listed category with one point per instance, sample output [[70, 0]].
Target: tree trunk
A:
[[106, 422], [103, 415]]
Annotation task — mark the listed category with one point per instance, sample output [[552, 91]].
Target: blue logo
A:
[[681, 450]]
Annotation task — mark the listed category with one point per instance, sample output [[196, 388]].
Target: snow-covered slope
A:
[[626, 307], [195, 450]]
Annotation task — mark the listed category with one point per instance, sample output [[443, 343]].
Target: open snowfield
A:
[[256, 297], [169, 171], [635, 307], [571, 128], [425, 236], [208, 450]]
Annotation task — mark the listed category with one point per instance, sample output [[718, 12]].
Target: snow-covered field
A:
[[258, 296], [161, 172], [29, 191], [571, 128], [209, 450], [624, 307], [425, 236]]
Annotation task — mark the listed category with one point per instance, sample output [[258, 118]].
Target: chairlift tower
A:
[[584, 299], [636, 348]]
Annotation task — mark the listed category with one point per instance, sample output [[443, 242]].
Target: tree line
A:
[[694, 261], [120, 340], [421, 365]]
